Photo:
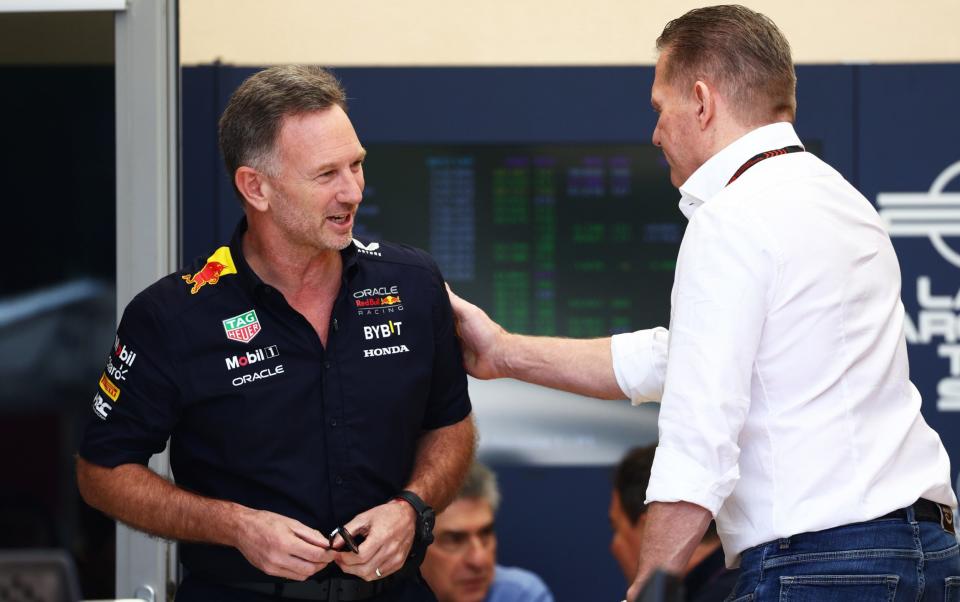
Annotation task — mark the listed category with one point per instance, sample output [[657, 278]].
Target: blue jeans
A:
[[884, 560]]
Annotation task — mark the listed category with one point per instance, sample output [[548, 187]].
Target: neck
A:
[[726, 133], [292, 269]]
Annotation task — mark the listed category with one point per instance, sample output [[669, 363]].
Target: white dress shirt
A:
[[787, 405], [640, 363]]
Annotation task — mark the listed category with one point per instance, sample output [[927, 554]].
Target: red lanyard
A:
[[758, 158]]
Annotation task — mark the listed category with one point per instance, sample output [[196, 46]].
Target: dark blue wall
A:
[[908, 134], [886, 129]]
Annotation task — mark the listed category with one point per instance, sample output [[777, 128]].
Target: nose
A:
[[351, 188], [478, 553], [656, 135]]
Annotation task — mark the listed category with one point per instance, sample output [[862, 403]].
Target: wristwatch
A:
[[425, 516]]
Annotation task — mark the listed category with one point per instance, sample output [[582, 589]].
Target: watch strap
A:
[[419, 506], [425, 515]]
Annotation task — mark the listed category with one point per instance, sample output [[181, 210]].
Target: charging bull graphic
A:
[[219, 264]]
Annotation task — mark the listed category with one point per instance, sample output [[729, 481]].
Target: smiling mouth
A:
[[340, 219]]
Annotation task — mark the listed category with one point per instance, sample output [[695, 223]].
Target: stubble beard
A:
[[304, 228]]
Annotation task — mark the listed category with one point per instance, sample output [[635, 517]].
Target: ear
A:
[[253, 186], [706, 103]]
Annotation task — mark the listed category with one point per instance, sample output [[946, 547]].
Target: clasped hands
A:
[[283, 547]]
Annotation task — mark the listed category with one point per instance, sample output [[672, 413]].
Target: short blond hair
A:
[[740, 51]]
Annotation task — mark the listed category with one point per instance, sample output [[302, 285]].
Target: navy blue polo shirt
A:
[[258, 411]]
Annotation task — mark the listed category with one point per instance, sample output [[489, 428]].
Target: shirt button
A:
[[333, 422], [339, 480], [326, 365]]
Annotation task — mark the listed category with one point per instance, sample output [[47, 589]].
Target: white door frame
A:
[[148, 226]]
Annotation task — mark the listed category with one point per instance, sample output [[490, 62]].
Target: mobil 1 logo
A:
[[251, 357]]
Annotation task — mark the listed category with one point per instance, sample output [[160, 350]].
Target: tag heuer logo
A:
[[243, 327]]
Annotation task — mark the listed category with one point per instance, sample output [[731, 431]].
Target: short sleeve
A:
[[449, 401], [135, 404]]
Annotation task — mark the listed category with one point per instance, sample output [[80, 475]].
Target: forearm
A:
[[672, 533], [137, 496], [442, 459], [582, 366]]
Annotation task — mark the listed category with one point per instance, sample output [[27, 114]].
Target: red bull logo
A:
[[219, 264], [209, 274], [377, 301]]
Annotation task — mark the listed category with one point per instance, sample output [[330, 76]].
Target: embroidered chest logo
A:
[[382, 331], [251, 357], [378, 300], [219, 264], [381, 351], [242, 327]]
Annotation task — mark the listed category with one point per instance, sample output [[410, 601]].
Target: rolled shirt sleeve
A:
[[640, 363], [726, 271]]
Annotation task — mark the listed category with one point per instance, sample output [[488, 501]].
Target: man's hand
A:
[[388, 529], [134, 494], [582, 366], [283, 547], [481, 338], [670, 535]]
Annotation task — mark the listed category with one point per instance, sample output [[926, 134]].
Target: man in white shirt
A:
[[787, 412]]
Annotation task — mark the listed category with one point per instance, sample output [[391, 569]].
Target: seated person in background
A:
[[705, 579], [461, 566]]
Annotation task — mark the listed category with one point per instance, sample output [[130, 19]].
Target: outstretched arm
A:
[[583, 366], [139, 497]]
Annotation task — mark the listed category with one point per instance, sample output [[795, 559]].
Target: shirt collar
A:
[[248, 278], [252, 282], [712, 176]]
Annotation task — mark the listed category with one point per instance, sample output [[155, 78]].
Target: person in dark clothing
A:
[[310, 384], [706, 579]]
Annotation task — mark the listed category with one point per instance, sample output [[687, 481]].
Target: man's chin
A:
[[338, 242], [345, 242], [473, 590]]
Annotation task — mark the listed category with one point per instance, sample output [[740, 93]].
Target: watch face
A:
[[429, 519]]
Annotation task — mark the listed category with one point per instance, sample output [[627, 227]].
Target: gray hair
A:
[[740, 51], [481, 484], [251, 123]]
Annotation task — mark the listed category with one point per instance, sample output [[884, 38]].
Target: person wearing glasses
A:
[[461, 565]]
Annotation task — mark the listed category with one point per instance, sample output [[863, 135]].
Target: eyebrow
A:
[[488, 527], [328, 166]]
